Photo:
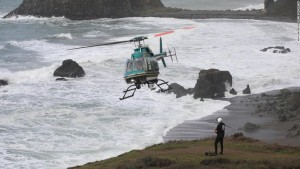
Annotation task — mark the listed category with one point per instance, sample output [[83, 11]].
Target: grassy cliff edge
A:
[[239, 152]]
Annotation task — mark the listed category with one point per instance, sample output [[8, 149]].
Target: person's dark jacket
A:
[[220, 130]]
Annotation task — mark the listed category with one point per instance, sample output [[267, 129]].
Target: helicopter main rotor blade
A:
[[164, 33], [103, 44], [173, 31]]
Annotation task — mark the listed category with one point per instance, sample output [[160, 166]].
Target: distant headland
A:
[[93, 9]]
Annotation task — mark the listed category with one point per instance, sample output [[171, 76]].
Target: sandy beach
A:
[[242, 110]]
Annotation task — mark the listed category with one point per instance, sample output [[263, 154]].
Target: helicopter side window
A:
[[129, 66]]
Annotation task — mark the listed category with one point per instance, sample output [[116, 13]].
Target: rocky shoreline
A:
[[93, 9], [253, 116], [215, 14], [273, 117], [197, 14]]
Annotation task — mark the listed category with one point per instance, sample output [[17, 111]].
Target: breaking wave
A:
[[249, 7], [64, 36]]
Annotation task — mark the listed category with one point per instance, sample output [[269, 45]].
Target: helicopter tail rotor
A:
[[172, 53]]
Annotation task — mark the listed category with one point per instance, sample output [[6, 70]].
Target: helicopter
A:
[[142, 68]]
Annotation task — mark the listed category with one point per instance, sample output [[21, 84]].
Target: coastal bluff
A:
[[85, 9]]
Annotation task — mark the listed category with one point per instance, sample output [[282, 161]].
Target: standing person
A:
[[220, 131]]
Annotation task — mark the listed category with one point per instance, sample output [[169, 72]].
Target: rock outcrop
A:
[[3, 82], [85, 9], [285, 8], [212, 83], [233, 91], [61, 79], [179, 90], [247, 90], [69, 68], [285, 106], [269, 4], [277, 49]]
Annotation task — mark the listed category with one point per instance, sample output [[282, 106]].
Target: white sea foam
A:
[[48, 51], [45, 121], [249, 7], [30, 18], [64, 36], [94, 34]]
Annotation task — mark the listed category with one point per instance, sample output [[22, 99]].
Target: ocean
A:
[[53, 124], [215, 4]]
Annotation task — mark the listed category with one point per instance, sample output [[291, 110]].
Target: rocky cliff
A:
[[85, 9], [285, 8]]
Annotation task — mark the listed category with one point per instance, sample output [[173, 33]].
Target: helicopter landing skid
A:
[[128, 90], [162, 84], [135, 86]]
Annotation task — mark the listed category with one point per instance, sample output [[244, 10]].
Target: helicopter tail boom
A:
[[161, 51]]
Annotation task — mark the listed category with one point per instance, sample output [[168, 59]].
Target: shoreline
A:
[[186, 142], [242, 110], [178, 13], [256, 14], [271, 134]]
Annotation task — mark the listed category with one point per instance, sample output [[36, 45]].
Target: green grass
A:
[[239, 152]]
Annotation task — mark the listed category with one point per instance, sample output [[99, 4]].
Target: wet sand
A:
[[242, 109]]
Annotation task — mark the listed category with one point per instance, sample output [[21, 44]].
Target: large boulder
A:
[[233, 91], [212, 83], [287, 8], [69, 68], [85, 9], [3, 82], [179, 90]]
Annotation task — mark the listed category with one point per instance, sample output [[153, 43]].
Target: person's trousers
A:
[[217, 140]]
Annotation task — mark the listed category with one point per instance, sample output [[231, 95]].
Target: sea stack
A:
[[281, 8], [212, 83], [69, 68], [86, 9]]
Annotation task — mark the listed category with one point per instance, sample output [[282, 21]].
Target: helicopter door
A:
[[152, 64], [149, 66]]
